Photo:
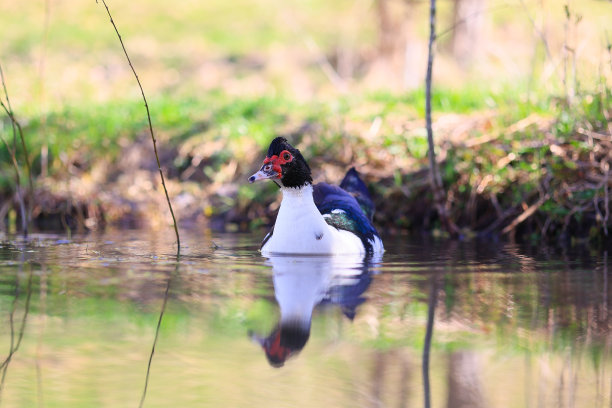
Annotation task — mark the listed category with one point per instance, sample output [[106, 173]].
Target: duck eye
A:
[[286, 156], [267, 167]]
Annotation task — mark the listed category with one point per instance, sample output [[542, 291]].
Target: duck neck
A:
[[297, 209], [297, 195]]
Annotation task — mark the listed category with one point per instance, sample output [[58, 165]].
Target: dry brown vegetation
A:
[[523, 143]]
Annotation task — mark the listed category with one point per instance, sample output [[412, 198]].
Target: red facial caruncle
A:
[[277, 161], [274, 348]]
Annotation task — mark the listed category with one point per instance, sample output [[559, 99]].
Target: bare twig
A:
[[606, 199], [24, 224], [18, 130], [8, 101], [525, 214], [434, 174], [14, 160], [178, 241], [325, 65], [14, 121], [501, 217], [42, 312], [570, 88], [431, 313], [433, 168], [545, 227], [161, 173], [599, 136], [159, 321], [44, 150], [537, 30], [16, 342], [470, 16]]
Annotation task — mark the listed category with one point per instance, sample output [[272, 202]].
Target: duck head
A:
[[285, 165], [286, 340]]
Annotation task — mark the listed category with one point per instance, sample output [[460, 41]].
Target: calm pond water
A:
[[512, 326]]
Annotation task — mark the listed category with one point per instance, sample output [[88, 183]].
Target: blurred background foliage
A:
[[522, 107]]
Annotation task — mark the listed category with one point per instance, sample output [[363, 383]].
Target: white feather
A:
[[298, 225], [301, 282]]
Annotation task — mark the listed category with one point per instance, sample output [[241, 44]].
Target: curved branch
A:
[[161, 174]]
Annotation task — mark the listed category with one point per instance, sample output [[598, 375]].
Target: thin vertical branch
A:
[[44, 150], [161, 173], [18, 130], [431, 313], [42, 311], [24, 224], [604, 300], [539, 32], [433, 168], [16, 342], [569, 88], [435, 179], [159, 321], [8, 101]]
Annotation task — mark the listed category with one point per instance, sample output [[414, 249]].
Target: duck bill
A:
[[263, 175], [255, 338]]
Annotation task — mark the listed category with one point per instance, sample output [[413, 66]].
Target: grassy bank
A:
[[534, 168]]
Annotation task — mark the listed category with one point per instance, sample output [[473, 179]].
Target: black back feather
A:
[[342, 211]]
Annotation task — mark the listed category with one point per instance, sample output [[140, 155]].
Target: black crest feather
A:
[[297, 172]]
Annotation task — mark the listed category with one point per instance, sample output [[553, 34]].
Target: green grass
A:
[[242, 128], [99, 130]]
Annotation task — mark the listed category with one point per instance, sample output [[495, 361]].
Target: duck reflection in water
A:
[[303, 282]]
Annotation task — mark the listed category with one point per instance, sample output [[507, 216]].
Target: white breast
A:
[[301, 229], [301, 282]]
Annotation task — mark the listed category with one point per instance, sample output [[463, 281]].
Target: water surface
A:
[[512, 326]]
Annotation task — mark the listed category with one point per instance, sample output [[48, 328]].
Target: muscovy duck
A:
[[316, 219], [301, 283]]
